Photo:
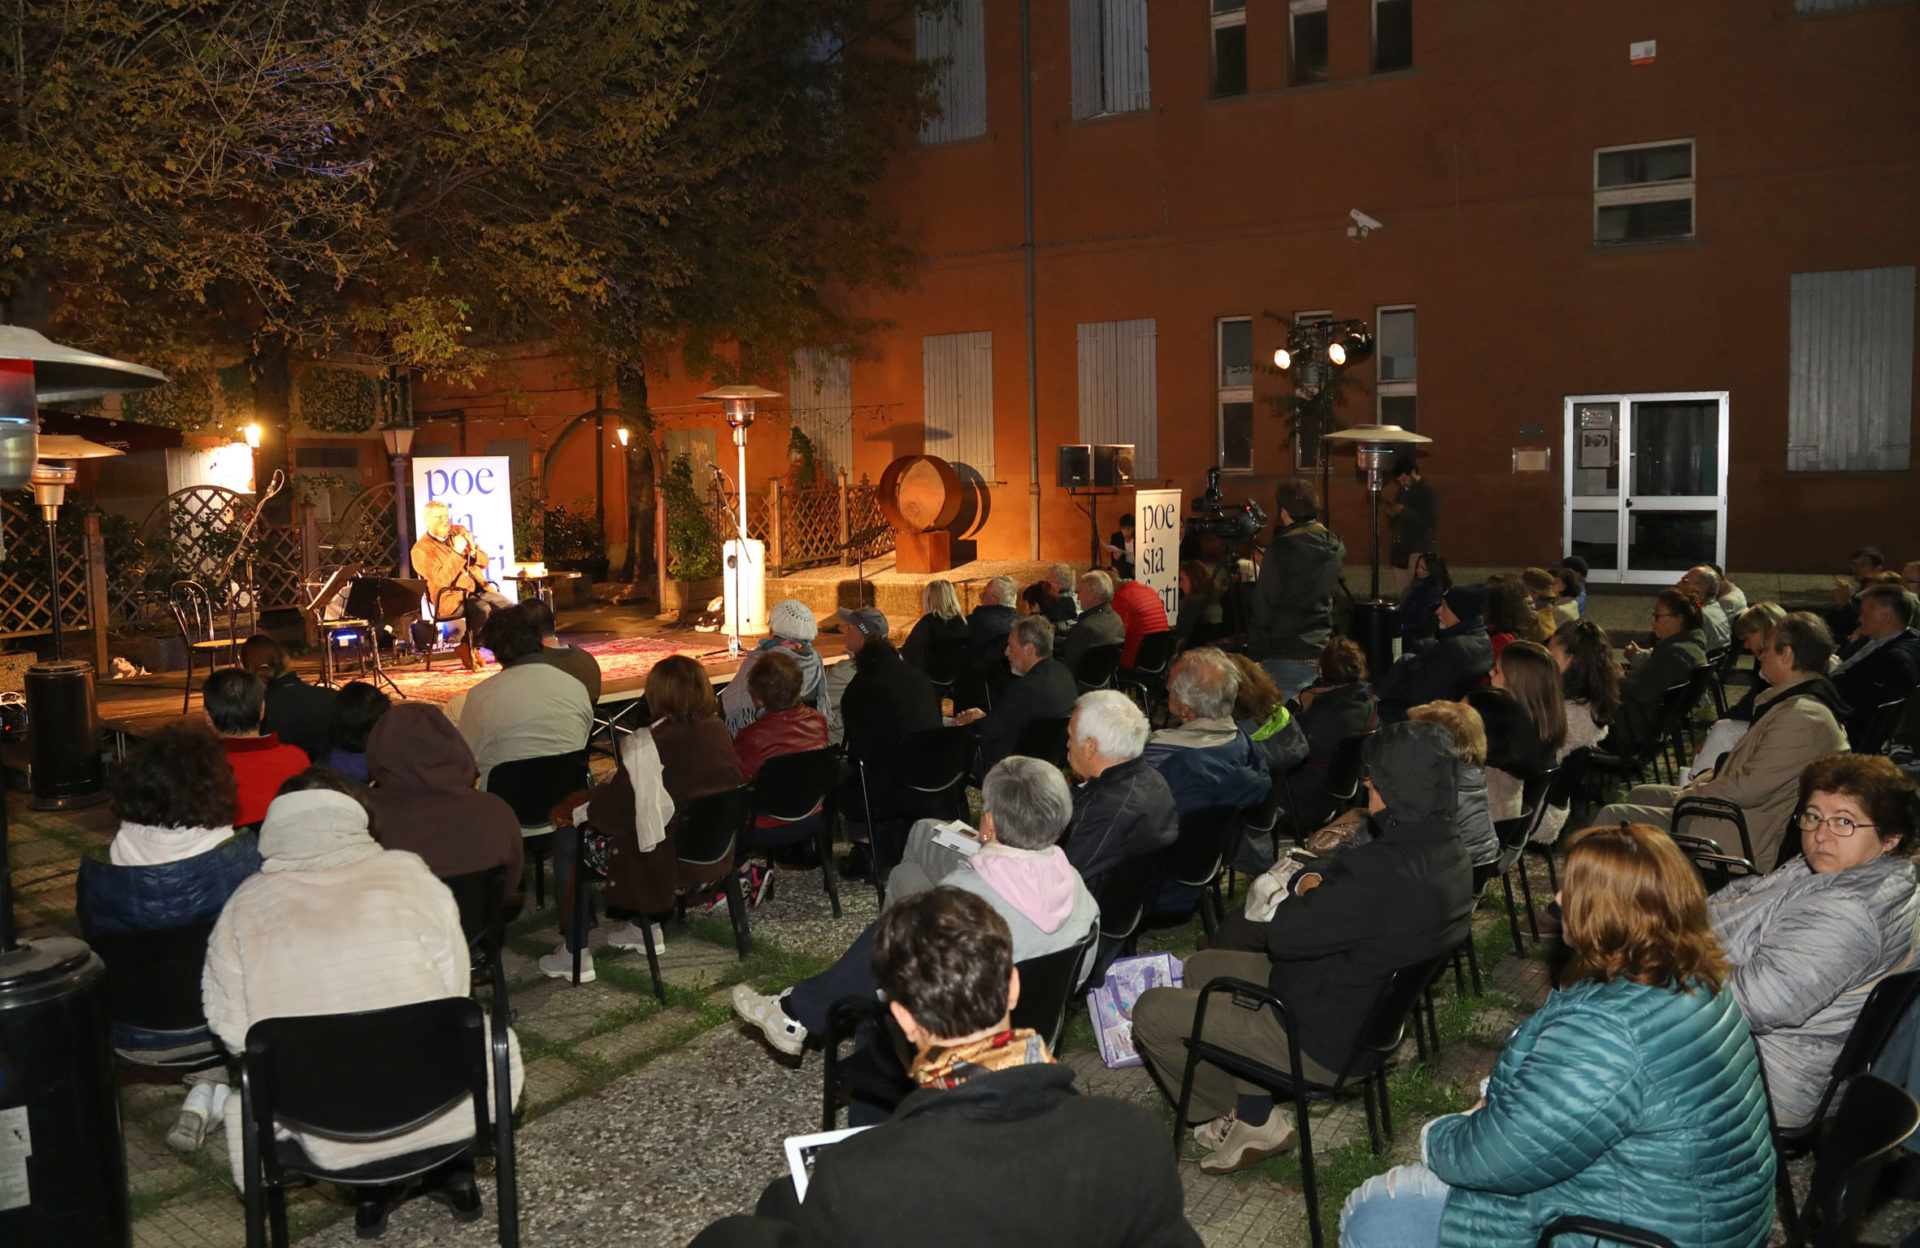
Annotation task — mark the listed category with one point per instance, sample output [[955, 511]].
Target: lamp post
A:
[[1375, 446], [746, 559], [396, 396]]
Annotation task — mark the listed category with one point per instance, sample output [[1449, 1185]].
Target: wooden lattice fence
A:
[[196, 534], [367, 533], [26, 600]]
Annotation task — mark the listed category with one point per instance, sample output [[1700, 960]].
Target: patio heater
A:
[[745, 585], [1373, 625], [58, 1089]]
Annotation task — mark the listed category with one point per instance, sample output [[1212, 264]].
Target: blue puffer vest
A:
[[1640, 1105], [113, 900]]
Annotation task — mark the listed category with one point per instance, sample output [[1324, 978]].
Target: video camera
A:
[[1230, 522]]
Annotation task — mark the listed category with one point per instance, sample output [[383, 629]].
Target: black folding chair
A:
[[790, 789], [1146, 680], [1631, 760], [1562, 791], [1599, 1228], [706, 834], [1097, 668], [371, 1076], [1880, 727], [533, 786], [1698, 683], [1342, 786], [1875, 1118], [1050, 983], [931, 783], [1044, 739], [945, 662], [154, 1012], [1376, 1041], [1714, 809], [1124, 893], [1198, 858]]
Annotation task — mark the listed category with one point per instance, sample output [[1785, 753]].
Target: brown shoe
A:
[[465, 652]]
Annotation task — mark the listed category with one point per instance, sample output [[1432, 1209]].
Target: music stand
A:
[[327, 630]]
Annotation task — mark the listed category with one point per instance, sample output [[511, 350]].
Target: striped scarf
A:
[[949, 1066]]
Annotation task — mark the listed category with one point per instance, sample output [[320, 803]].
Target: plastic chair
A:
[[931, 783], [1342, 785], [1096, 668], [1698, 683], [370, 1076], [1632, 760], [1049, 984], [192, 610], [706, 834], [1197, 859], [1875, 1117], [1147, 678], [946, 662], [1377, 1039], [792, 789], [1044, 738], [1125, 892], [1599, 1228], [533, 786], [1881, 726], [1715, 808], [154, 1011], [481, 896]]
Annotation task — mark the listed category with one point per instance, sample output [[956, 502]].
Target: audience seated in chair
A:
[[1420, 605], [1633, 1094], [793, 630], [356, 710], [1880, 662], [1292, 602], [1525, 716], [1261, 711], [1141, 612], [1509, 612], [1207, 760], [992, 617], [1702, 584], [296, 712], [1098, 625], [333, 924], [1590, 692], [172, 863], [685, 754], [576, 661], [1472, 814], [235, 700], [1808, 941], [1019, 870], [887, 701], [423, 798], [1442, 669], [1122, 807], [1404, 897], [1678, 648], [1796, 723], [995, 1146], [940, 623], [784, 725], [1042, 688], [1752, 632], [527, 709], [1338, 706]]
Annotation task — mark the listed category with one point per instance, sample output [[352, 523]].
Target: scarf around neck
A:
[[315, 830], [949, 1066]]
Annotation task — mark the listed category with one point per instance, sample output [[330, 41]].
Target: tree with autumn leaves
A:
[[195, 181]]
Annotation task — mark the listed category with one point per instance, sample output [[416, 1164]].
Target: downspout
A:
[[1033, 363]]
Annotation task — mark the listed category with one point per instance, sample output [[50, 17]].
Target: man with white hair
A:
[[454, 565], [1099, 624], [1061, 578], [1042, 689], [1122, 807], [1207, 760], [993, 618], [1702, 584]]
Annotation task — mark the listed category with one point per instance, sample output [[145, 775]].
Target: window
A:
[[1233, 369], [1109, 56], [821, 388], [1395, 373], [1392, 35], [1229, 47], [1643, 193], [1850, 386], [1306, 450], [1119, 389], [953, 38], [1307, 33], [957, 371]]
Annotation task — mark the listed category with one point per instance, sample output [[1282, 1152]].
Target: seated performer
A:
[[454, 566]]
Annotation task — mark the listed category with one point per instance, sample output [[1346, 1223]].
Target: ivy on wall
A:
[[195, 397], [338, 400]]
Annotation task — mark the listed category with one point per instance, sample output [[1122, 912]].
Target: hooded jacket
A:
[[1208, 762], [1403, 897], [1795, 722], [1293, 599], [1805, 948], [1125, 811], [1439, 670], [423, 799]]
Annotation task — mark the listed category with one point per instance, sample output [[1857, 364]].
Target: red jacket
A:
[[779, 732], [1141, 611], [261, 765]]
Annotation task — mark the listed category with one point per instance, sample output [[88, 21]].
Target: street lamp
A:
[[746, 559], [396, 397], [1376, 446]]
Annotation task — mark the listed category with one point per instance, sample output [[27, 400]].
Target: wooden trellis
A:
[[366, 533], [190, 534], [26, 600]]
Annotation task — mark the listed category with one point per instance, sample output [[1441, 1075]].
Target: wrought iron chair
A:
[[192, 609]]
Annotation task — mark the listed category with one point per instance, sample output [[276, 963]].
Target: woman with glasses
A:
[[1679, 646], [1809, 940]]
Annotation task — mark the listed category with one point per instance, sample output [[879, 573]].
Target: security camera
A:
[[1363, 224]]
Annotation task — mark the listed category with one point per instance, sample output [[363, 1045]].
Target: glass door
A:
[[1646, 484]]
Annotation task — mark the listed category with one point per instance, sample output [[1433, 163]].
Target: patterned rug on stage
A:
[[626, 658]]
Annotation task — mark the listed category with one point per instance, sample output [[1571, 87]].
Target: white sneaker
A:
[[764, 1012], [190, 1128], [559, 964], [217, 1114], [629, 936], [1211, 1135]]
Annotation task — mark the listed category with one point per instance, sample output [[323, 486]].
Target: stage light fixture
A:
[[1283, 359], [1337, 352]]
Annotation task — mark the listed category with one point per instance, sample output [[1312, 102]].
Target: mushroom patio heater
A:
[[1376, 445], [745, 583], [63, 1181]]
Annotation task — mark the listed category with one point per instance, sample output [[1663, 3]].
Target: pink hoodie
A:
[[1039, 884]]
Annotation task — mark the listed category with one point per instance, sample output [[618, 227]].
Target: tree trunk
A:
[[272, 408], [639, 565]]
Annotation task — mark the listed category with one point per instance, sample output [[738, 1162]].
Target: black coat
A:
[[1513, 744], [1889, 674], [1046, 691], [1669, 663], [299, 713], [1125, 811], [986, 626], [1401, 898], [887, 701], [1009, 1157], [928, 631], [1336, 714], [1439, 670]]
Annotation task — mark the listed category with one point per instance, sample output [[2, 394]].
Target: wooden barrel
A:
[[918, 493]]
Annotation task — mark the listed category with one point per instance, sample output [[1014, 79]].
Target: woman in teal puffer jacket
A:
[[1634, 1093]]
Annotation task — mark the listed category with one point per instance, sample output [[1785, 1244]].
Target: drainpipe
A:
[[1033, 363]]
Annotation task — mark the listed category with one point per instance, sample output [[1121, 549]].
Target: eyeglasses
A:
[[1839, 825]]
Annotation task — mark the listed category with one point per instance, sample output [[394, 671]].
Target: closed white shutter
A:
[[1109, 54], [820, 400], [954, 38], [1850, 388], [1119, 389], [958, 375]]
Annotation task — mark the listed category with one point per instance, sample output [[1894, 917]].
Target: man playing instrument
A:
[[454, 565]]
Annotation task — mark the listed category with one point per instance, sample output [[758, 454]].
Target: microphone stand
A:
[[274, 486]]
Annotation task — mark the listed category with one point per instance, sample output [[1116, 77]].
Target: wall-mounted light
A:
[[253, 436], [623, 434]]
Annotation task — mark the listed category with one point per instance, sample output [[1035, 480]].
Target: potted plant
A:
[[693, 549], [573, 541]]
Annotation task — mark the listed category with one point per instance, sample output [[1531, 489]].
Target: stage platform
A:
[[897, 594]]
